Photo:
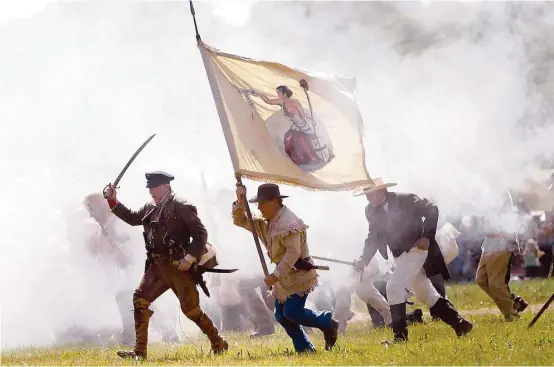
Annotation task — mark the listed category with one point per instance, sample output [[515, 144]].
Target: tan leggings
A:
[[493, 275]]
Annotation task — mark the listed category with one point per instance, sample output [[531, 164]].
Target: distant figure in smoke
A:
[[324, 297], [470, 240], [284, 236], [395, 219], [545, 239], [234, 316], [260, 308], [370, 287], [500, 249], [257, 303], [531, 256], [377, 319], [106, 243], [362, 283], [169, 223]]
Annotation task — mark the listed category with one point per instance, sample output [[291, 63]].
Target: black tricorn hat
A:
[[157, 178], [267, 191]]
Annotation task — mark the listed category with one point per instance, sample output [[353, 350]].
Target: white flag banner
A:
[[288, 126]]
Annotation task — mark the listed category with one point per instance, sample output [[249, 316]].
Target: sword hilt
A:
[[106, 189]]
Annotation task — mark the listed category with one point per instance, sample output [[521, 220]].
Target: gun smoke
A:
[[454, 98]]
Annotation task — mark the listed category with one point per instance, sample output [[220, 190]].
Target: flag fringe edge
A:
[[296, 184]]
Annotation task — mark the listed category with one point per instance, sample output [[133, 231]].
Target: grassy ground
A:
[[469, 298], [492, 342]]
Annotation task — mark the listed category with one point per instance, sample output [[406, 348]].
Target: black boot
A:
[[415, 317], [447, 313], [433, 314], [438, 283], [519, 303], [330, 334], [399, 322], [376, 318]]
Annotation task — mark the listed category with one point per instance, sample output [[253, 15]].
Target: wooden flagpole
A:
[[228, 137]]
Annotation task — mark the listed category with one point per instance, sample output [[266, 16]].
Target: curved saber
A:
[[131, 160], [351, 263]]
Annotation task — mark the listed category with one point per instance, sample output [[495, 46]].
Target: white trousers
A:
[[409, 274], [369, 294]]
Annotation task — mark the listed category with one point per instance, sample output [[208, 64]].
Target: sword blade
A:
[[131, 160], [207, 270], [216, 270], [333, 260]]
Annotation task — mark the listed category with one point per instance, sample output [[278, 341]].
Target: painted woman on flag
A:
[[305, 142]]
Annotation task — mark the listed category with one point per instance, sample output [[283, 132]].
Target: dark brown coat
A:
[[179, 221]]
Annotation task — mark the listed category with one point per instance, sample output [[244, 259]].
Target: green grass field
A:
[[492, 342]]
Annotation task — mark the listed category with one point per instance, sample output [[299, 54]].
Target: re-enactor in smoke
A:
[[112, 248], [169, 224], [284, 236], [370, 287], [407, 224], [499, 249]]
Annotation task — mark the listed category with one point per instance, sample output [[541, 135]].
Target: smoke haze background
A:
[[454, 97]]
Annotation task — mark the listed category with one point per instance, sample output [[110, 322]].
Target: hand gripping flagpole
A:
[[228, 136]]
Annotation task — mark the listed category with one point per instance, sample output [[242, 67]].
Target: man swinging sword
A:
[[173, 259], [407, 224]]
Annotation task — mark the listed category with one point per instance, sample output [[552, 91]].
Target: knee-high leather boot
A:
[[399, 322], [448, 313], [205, 324], [142, 319]]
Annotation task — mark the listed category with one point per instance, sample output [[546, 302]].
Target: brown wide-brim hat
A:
[[378, 184], [267, 191]]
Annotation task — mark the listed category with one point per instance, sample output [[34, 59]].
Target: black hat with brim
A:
[[157, 178], [267, 191]]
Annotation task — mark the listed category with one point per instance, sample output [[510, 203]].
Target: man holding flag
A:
[[284, 236], [271, 116]]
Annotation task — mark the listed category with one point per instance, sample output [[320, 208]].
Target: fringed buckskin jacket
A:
[[285, 240]]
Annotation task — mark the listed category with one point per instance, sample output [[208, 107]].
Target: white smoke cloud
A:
[[14, 10], [442, 88]]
